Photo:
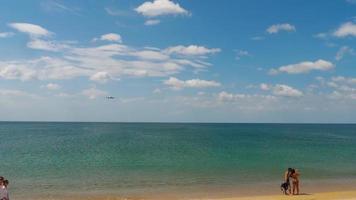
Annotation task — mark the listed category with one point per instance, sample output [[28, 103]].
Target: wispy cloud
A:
[[280, 27], [31, 29], [304, 67], [116, 12], [152, 22], [344, 50], [100, 63], [191, 50], [177, 84], [111, 37], [57, 6], [6, 34], [281, 90], [51, 86], [241, 53]]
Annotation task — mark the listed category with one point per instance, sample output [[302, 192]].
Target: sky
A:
[[274, 61]]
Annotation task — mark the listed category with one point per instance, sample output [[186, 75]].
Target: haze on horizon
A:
[[178, 61]]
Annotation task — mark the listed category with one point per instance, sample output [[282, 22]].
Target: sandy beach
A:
[[341, 195], [345, 195]]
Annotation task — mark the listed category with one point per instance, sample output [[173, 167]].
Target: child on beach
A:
[[4, 195], [286, 184]]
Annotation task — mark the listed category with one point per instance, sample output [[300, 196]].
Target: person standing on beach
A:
[[295, 181], [4, 195], [287, 175]]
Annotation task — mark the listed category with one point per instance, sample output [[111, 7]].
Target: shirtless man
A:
[[295, 181]]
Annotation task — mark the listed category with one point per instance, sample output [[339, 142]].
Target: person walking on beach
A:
[[295, 181]]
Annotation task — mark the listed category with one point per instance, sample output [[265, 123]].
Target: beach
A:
[[341, 195], [342, 189]]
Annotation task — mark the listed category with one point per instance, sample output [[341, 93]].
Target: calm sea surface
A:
[[138, 157]]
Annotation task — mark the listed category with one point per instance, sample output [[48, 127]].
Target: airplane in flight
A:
[[110, 97]]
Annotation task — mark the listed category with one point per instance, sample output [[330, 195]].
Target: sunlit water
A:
[[139, 157]]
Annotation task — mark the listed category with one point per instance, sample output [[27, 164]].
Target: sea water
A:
[[40, 157]]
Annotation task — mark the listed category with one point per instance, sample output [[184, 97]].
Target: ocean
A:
[[138, 158]]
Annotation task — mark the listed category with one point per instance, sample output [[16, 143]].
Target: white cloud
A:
[[116, 12], [15, 93], [285, 90], [152, 22], [191, 50], [44, 68], [342, 87], [343, 51], [160, 7], [93, 93], [241, 53], [224, 96], [239, 97], [31, 29], [111, 37], [6, 34], [157, 91], [256, 38], [175, 83], [116, 60], [321, 35], [304, 67], [55, 6], [346, 29], [52, 86], [281, 90], [342, 79], [151, 55], [46, 45], [101, 77], [280, 27], [264, 86]]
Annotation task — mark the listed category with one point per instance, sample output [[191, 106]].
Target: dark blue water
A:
[[148, 156]]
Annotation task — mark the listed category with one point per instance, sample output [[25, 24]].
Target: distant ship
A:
[[110, 97]]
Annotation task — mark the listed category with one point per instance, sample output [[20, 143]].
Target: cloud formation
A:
[[31, 29], [93, 93], [6, 34], [111, 37], [281, 27], [346, 29], [303, 67], [159, 8], [152, 22], [102, 63], [281, 90], [175, 83], [344, 50], [52, 86], [191, 50]]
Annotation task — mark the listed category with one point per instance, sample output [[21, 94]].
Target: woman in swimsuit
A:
[[295, 181]]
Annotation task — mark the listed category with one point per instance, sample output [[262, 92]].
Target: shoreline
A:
[[310, 190], [339, 195]]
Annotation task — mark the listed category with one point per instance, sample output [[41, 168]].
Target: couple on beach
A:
[[286, 187], [4, 195]]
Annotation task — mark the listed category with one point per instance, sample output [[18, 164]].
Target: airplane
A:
[[110, 97]]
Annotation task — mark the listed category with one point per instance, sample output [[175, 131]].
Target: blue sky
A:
[[178, 61]]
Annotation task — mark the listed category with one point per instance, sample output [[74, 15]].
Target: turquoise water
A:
[[139, 157]]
